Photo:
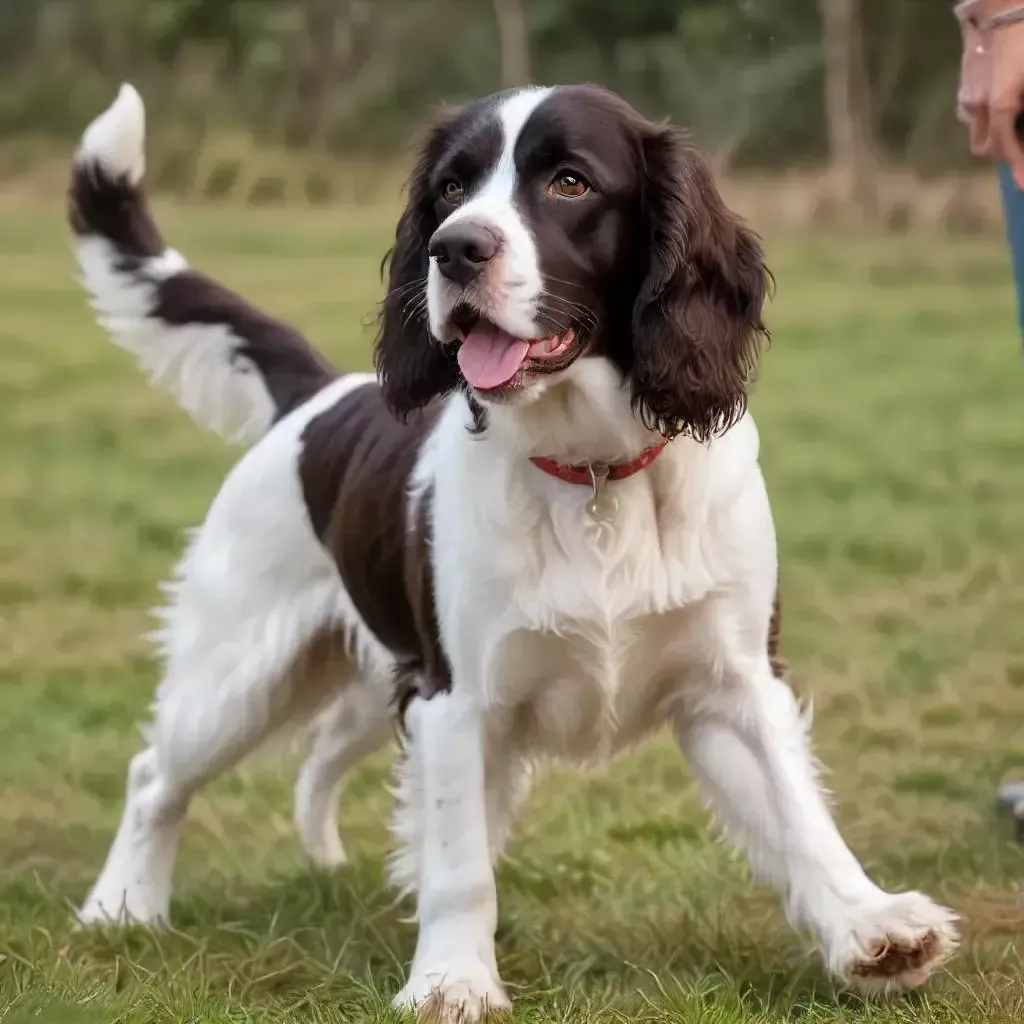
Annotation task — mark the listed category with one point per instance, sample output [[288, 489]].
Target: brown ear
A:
[[697, 326], [412, 365]]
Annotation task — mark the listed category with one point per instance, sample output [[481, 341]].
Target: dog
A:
[[540, 527]]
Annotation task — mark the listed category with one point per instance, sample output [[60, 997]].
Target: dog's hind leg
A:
[[202, 726], [253, 641], [356, 724]]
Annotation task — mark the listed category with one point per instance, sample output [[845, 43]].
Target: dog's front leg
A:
[[747, 740], [454, 973]]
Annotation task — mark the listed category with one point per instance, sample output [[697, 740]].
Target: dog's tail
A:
[[233, 368]]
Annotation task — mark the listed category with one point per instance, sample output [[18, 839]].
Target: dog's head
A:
[[546, 226]]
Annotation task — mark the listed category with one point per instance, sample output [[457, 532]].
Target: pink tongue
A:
[[490, 357]]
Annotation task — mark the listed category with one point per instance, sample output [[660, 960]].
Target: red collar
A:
[[585, 474]]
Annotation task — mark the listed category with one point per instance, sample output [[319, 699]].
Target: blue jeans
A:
[[1013, 211], [1011, 797]]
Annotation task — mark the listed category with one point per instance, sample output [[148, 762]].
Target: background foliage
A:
[[351, 76]]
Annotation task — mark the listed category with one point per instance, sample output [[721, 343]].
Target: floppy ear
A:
[[697, 327], [412, 365]]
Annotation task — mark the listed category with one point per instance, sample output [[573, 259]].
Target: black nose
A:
[[463, 250]]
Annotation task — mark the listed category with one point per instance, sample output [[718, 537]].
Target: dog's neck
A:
[[584, 416]]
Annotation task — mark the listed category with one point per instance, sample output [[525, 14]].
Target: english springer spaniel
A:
[[540, 528]]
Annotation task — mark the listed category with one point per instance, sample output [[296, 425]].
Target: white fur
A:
[[198, 363], [116, 139], [511, 291], [566, 639]]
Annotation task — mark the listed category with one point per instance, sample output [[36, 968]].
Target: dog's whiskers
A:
[[420, 282]]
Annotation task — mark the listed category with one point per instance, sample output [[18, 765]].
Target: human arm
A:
[[991, 95]]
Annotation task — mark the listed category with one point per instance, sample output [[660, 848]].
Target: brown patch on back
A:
[[355, 469]]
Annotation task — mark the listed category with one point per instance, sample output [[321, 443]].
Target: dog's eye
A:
[[569, 185], [452, 192]]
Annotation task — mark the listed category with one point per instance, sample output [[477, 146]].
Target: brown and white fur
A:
[[352, 554]]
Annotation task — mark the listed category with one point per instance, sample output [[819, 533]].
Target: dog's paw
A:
[[327, 853], [458, 993], [895, 946], [116, 912]]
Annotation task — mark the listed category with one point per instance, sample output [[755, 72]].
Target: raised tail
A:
[[233, 368]]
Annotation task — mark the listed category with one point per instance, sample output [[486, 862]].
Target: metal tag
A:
[[603, 505]]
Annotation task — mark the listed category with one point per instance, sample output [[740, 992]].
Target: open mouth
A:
[[491, 359]]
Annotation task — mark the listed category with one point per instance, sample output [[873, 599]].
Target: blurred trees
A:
[[850, 133], [761, 82], [513, 42]]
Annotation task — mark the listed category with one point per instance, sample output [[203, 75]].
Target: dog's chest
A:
[[584, 693], [605, 634]]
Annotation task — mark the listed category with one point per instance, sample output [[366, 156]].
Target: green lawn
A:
[[891, 410]]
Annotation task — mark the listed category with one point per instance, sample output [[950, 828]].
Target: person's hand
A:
[[975, 75], [991, 95], [1006, 100]]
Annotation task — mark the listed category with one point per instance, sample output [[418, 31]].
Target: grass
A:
[[890, 414]]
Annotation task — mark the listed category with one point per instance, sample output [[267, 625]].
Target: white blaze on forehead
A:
[[493, 204], [499, 185], [513, 114]]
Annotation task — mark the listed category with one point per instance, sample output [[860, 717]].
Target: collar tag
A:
[[603, 505]]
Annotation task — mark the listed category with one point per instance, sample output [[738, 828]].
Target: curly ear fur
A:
[[697, 326], [412, 365]]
